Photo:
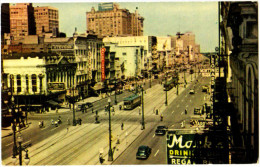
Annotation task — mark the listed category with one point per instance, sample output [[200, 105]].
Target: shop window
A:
[[34, 83]]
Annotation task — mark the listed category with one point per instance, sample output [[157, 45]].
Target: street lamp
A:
[[150, 79], [27, 159], [143, 125], [115, 93], [166, 102], [73, 102], [110, 152]]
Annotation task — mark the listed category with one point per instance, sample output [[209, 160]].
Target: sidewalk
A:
[[7, 131]]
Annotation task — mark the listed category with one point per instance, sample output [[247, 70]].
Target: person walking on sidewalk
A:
[[122, 126]]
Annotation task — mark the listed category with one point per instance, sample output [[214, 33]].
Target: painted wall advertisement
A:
[[192, 148], [103, 76]]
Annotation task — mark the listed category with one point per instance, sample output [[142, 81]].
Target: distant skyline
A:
[[160, 18]]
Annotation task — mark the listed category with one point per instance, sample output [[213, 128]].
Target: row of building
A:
[[47, 68]]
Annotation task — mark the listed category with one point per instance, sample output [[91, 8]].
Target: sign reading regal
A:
[[103, 50], [189, 147], [179, 148]]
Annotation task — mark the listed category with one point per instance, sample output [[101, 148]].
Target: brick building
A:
[[109, 20], [46, 19], [22, 21]]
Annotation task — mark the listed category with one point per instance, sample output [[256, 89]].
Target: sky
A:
[[160, 18]]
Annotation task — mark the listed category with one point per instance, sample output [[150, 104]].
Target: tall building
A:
[[188, 40], [240, 47], [5, 19], [109, 20], [22, 21], [46, 19]]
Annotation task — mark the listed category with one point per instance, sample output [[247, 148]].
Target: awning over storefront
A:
[[52, 103], [98, 86]]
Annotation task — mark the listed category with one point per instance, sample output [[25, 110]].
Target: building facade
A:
[[22, 22], [239, 45], [109, 20], [5, 21], [46, 19]]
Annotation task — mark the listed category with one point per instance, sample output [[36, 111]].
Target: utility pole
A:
[[166, 103], [177, 84], [73, 101], [110, 152], [143, 125]]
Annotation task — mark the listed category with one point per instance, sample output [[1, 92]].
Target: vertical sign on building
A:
[[103, 50], [212, 82]]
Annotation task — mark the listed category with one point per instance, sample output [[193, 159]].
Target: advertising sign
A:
[[189, 147], [179, 148], [56, 86], [103, 50]]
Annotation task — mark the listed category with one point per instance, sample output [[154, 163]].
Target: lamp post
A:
[[73, 102], [143, 125], [12, 110], [27, 159], [115, 93], [110, 152], [184, 79], [166, 103], [150, 79], [177, 84]]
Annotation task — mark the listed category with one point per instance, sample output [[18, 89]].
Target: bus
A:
[[131, 102]]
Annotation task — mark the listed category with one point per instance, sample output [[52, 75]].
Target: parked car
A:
[[88, 105], [192, 91], [143, 152], [205, 88], [161, 130]]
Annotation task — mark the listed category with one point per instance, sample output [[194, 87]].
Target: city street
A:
[[68, 144]]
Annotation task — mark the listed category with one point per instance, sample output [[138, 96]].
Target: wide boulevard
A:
[[82, 144]]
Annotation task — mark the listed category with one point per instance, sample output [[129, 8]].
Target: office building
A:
[[22, 22], [109, 20], [46, 19]]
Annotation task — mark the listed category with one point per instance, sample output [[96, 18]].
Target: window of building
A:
[[34, 83], [18, 82], [27, 82], [12, 82]]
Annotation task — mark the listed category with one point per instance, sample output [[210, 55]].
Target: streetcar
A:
[[132, 101], [168, 85]]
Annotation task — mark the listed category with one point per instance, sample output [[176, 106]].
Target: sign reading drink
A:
[[103, 50], [179, 148]]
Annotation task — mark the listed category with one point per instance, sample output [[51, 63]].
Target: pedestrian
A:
[[122, 126], [40, 124], [139, 108], [161, 117], [52, 122], [56, 110], [67, 129], [186, 111]]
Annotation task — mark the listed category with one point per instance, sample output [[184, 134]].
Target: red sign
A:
[[103, 63]]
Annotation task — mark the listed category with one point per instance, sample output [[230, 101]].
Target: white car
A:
[[192, 91]]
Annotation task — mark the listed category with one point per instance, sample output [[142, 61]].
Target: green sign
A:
[[179, 148]]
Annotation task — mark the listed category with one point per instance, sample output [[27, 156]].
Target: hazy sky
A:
[[161, 18]]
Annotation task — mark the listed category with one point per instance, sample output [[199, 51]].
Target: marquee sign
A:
[[103, 50]]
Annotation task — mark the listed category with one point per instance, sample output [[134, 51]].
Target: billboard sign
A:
[[103, 50]]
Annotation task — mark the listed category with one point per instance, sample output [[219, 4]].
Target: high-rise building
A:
[[109, 20], [46, 19], [22, 21], [5, 19], [188, 40]]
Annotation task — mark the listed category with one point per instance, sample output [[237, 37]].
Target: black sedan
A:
[[161, 130], [143, 152]]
